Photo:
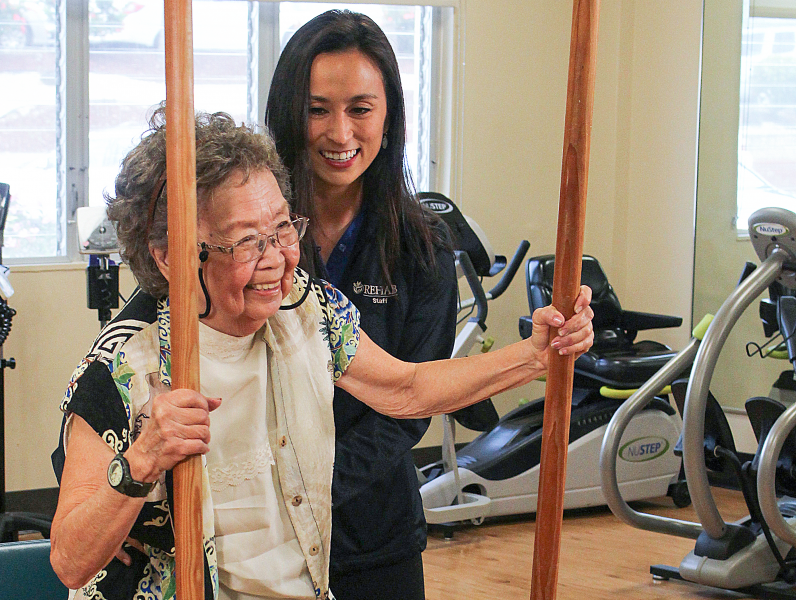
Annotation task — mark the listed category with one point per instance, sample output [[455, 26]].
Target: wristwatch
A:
[[120, 479]]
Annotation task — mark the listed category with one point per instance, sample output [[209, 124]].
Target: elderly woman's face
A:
[[244, 294]]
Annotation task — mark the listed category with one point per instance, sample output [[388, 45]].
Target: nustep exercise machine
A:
[[753, 555]]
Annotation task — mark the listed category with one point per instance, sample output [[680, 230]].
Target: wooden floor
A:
[[601, 557]]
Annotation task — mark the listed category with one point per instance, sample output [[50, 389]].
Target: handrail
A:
[[699, 383], [506, 279], [610, 449], [479, 297], [510, 271], [766, 476]]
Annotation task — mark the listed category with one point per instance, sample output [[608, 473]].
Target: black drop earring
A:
[[207, 296], [203, 256]]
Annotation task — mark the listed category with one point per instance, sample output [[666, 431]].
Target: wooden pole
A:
[[566, 286], [183, 267]]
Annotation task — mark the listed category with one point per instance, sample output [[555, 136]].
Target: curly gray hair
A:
[[139, 208]]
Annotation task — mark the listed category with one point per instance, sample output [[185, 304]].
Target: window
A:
[[66, 59], [28, 126], [127, 75], [767, 130]]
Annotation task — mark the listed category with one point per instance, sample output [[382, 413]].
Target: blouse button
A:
[[282, 442], [313, 550], [296, 500]]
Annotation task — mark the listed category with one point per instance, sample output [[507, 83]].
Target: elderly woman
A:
[[273, 342]]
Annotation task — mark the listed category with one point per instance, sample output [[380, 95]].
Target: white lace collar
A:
[[222, 347]]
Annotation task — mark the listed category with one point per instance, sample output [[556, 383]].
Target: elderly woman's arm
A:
[[93, 519], [401, 389]]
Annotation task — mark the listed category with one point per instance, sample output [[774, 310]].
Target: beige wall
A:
[[50, 333], [641, 189], [642, 174]]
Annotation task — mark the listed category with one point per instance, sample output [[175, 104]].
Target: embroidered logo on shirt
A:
[[378, 293]]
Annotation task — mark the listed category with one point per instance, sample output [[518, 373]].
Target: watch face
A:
[[115, 473]]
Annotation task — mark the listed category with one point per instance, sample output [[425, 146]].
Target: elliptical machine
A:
[[754, 555]]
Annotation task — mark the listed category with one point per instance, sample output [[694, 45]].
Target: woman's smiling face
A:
[[347, 117], [244, 295]]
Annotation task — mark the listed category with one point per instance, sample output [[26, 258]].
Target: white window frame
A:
[[73, 112]]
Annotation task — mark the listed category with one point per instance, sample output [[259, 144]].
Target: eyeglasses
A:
[[286, 234]]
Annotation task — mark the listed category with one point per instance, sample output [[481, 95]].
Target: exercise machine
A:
[[11, 523], [97, 238], [475, 259], [500, 468], [753, 555]]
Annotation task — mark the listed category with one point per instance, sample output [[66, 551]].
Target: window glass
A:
[[127, 74], [767, 132], [27, 127]]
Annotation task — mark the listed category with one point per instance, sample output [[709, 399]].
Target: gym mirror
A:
[[747, 45]]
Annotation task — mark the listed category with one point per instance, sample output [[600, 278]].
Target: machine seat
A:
[[624, 368], [615, 359]]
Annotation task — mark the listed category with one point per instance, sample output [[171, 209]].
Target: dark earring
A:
[[298, 302], [203, 256], [384, 141], [204, 290]]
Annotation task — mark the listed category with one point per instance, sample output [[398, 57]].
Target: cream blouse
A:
[[259, 555]]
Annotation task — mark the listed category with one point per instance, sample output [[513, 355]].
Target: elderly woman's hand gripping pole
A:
[[90, 513], [411, 390]]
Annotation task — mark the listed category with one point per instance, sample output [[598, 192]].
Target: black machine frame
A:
[[11, 523]]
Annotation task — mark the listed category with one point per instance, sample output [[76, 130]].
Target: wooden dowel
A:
[[566, 286], [183, 266]]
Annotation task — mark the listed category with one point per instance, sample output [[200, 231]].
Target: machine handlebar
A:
[[787, 325], [500, 287], [479, 297], [510, 271]]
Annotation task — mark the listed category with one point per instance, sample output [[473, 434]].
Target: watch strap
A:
[[129, 486]]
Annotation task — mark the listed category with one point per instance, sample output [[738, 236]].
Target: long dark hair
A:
[[387, 187]]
